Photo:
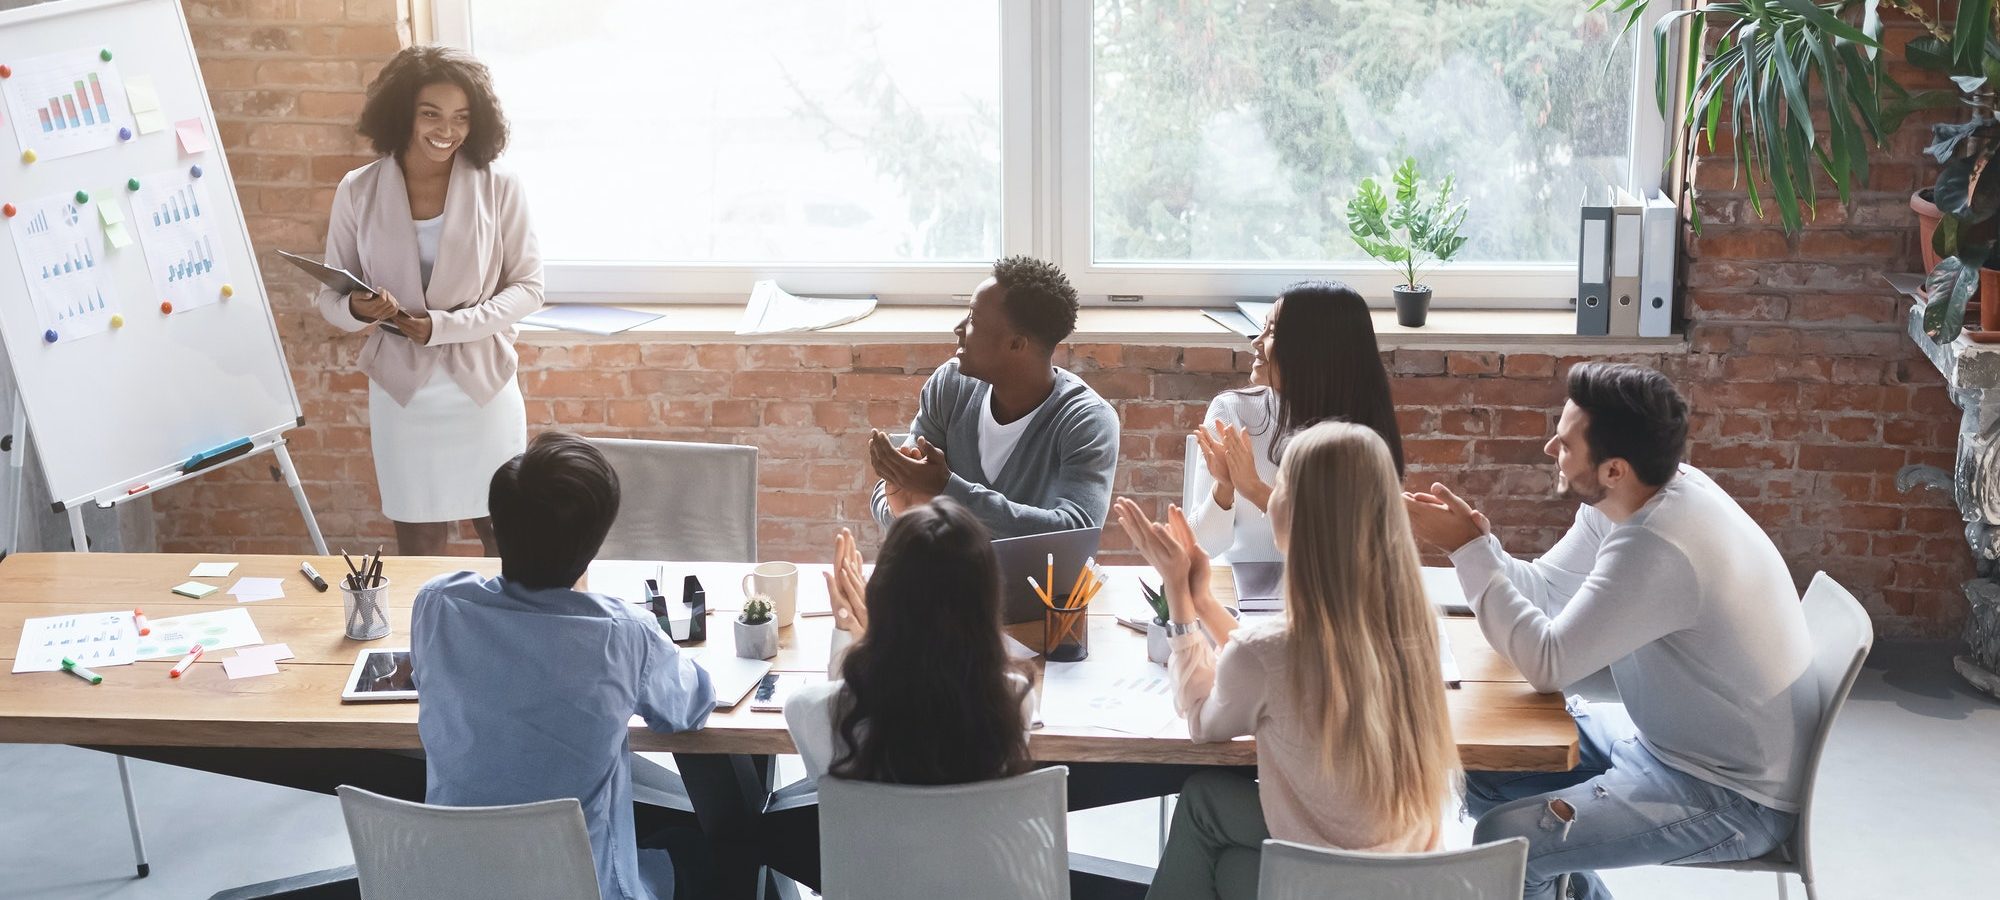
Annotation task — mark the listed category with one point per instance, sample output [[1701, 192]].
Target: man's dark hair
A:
[[1038, 299], [1635, 414], [551, 508], [390, 112]]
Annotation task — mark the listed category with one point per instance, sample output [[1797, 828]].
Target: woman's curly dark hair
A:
[[391, 110]]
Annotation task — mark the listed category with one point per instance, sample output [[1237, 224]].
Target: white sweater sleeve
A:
[[1214, 527], [1220, 695], [1640, 589]]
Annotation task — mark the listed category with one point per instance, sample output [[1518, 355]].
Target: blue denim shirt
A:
[[527, 695]]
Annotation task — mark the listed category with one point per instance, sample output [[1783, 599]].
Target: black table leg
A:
[[728, 793]]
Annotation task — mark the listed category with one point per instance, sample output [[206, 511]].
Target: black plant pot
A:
[[1413, 305]]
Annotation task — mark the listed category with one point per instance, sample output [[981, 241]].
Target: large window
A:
[[1183, 151]]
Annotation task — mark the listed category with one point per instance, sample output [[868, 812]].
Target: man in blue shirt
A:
[[528, 684]]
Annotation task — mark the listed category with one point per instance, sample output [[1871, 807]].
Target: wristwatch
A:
[[1176, 629]]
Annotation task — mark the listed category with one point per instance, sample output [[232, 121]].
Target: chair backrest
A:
[[414, 851], [1190, 463], [1841, 635], [1492, 871], [1003, 839], [682, 501]]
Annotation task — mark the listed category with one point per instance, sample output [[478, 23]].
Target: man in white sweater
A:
[[1667, 581]]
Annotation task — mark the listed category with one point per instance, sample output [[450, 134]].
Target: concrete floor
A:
[[1909, 806]]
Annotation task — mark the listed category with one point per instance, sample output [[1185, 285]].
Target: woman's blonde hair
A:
[[1362, 642]]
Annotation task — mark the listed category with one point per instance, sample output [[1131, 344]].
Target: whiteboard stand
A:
[[272, 442]]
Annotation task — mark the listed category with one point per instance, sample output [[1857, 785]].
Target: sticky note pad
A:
[[150, 121], [194, 137], [195, 589], [117, 235], [110, 212], [140, 93], [212, 570], [240, 666]]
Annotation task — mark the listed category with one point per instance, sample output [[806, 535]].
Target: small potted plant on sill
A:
[[1157, 648], [1420, 227], [756, 630]]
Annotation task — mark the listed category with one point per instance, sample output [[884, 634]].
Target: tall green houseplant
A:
[[1773, 63]]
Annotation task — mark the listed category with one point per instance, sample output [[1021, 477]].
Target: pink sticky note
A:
[[249, 666], [194, 138]]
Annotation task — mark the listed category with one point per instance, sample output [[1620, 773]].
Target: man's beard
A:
[[1590, 494]]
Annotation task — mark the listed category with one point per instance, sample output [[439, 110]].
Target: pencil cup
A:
[[366, 610], [1065, 635]]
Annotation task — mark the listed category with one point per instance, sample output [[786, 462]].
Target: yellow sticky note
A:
[[110, 212], [139, 90], [115, 233], [150, 121]]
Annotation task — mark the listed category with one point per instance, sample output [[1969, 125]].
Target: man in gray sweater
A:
[[1667, 581], [1028, 447]]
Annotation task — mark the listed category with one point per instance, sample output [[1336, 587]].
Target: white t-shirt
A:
[[996, 441], [428, 232]]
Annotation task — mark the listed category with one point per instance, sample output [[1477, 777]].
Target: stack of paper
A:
[[251, 590], [772, 311], [93, 640]]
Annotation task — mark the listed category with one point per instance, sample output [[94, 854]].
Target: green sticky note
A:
[[195, 589], [150, 120], [139, 91], [111, 213], [117, 235]]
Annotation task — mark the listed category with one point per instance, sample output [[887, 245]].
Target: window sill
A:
[[1538, 330]]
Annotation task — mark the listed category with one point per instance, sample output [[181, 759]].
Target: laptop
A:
[[1027, 557]]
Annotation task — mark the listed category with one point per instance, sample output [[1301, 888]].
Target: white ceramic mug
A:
[[779, 582]]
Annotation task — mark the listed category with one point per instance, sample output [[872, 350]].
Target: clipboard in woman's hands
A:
[[332, 276]]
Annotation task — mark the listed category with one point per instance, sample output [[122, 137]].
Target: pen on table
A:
[[70, 666], [139, 622], [194, 653], [312, 575]]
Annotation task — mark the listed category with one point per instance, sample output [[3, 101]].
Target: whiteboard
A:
[[115, 408]]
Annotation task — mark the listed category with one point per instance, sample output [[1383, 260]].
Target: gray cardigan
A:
[[1059, 476]]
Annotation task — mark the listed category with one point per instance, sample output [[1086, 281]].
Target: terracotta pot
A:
[[1928, 217], [1989, 300]]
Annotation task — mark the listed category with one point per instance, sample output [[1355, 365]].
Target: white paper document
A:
[[1135, 699], [272, 652], [222, 629], [251, 590], [773, 311], [213, 570], [93, 640], [249, 666]]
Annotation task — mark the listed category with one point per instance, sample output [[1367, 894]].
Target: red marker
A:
[[134, 491], [194, 653], [139, 620]]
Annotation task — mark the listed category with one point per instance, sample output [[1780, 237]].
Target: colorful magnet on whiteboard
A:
[[194, 171], [27, 156], [6, 72], [8, 210], [124, 134], [49, 335], [82, 198], [166, 307], [104, 55], [131, 184], [228, 291], [117, 321]]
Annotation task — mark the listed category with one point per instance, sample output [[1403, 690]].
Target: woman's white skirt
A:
[[435, 458]]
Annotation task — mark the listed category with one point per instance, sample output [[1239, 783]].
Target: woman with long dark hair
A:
[[1316, 361], [920, 688]]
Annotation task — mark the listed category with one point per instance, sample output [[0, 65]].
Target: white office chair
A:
[[682, 501], [1005, 840], [1492, 871], [414, 851], [1841, 636]]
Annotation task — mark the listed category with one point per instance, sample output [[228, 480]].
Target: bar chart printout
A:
[[66, 103], [178, 229], [62, 258]]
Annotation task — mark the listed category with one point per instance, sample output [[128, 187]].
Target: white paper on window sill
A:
[[773, 311]]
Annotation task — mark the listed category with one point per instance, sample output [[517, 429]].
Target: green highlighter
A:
[[70, 666]]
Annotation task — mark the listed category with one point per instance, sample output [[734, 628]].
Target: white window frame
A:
[[1045, 102]]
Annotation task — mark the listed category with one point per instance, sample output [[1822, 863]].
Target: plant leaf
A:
[[1825, 21], [1950, 286], [1968, 44]]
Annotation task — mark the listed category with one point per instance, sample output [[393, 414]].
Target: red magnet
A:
[[6, 72], [166, 307], [8, 210]]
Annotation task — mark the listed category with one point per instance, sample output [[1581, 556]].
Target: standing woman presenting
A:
[[444, 236]]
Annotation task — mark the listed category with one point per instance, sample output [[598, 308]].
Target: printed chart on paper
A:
[[177, 227], [66, 103], [62, 259]]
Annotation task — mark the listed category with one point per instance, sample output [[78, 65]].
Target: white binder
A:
[[1656, 269]]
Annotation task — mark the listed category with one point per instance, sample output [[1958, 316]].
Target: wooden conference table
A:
[[1500, 722]]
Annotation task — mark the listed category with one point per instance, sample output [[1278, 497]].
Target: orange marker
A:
[[139, 620], [194, 653]]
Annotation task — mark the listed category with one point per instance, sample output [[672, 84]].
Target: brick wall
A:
[[1807, 396]]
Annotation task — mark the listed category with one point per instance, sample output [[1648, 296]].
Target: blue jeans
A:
[[1624, 808]]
